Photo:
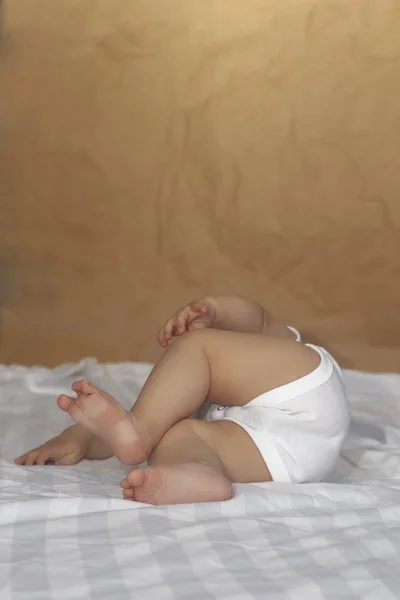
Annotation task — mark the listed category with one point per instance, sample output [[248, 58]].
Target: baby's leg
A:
[[197, 461], [228, 367], [231, 368]]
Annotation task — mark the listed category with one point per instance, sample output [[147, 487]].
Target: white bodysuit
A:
[[299, 427]]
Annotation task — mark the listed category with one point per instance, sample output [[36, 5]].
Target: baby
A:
[[277, 410]]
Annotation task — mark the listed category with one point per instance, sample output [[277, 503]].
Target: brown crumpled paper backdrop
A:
[[156, 150]]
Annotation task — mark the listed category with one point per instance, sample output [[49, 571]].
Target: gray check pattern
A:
[[66, 533]]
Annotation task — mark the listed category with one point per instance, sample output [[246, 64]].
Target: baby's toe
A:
[[30, 460], [77, 386], [88, 388], [137, 477], [129, 494], [65, 402], [42, 458]]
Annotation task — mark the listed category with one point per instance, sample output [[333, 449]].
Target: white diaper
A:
[[299, 427]]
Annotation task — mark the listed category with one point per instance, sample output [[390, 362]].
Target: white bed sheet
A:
[[66, 533]]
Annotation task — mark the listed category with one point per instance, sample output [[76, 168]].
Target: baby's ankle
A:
[[133, 445]]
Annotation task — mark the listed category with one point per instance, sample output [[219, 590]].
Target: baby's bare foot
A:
[[68, 448], [101, 414], [176, 484]]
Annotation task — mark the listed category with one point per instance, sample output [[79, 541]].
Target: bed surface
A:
[[66, 533]]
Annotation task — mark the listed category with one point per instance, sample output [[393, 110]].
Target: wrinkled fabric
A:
[[65, 532]]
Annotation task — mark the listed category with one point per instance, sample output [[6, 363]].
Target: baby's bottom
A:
[[191, 460]]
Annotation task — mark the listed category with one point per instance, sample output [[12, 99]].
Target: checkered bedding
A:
[[66, 533]]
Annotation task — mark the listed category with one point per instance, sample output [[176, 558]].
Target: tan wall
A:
[[153, 151]]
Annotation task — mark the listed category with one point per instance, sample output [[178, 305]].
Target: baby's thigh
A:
[[239, 456], [243, 366]]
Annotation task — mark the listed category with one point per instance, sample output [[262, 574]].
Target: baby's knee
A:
[[187, 430], [198, 338], [197, 429]]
